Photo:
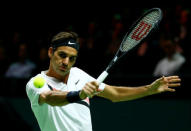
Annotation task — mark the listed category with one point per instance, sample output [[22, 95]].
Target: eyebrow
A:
[[70, 55]]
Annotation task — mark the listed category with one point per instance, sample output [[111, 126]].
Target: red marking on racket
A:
[[143, 28]]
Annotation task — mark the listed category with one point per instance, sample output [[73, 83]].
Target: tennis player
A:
[[62, 104]]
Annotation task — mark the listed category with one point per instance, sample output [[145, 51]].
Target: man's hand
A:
[[164, 84], [89, 90]]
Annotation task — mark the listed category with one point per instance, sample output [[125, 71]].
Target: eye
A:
[[73, 58], [62, 55]]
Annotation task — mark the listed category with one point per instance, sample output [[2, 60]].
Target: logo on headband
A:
[[71, 43], [62, 42]]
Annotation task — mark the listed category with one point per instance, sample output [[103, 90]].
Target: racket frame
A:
[[119, 53]]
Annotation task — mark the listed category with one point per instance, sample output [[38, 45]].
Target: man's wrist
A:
[[73, 96], [149, 90], [82, 95]]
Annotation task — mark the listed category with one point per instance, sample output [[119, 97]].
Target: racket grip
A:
[[102, 77]]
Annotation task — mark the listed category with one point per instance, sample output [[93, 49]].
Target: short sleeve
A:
[[33, 92]]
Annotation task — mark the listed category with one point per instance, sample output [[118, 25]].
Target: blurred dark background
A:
[[25, 34]]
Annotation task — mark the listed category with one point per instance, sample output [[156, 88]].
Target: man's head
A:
[[65, 39], [63, 52], [22, 52], [169, 47]]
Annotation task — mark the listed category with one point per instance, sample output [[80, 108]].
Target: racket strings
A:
[[140, 31]]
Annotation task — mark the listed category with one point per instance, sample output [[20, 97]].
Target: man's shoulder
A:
[[32, 78], [77, 70]]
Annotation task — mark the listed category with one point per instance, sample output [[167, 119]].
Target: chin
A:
[[63, 72]]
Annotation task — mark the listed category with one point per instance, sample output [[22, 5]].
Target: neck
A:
[[63, 78]]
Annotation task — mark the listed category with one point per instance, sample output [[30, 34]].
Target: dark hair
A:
[[62, 38]]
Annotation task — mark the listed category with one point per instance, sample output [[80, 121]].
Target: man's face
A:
[[168, 47], [62, 59]]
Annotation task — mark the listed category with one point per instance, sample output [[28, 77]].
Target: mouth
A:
[[63, 68]]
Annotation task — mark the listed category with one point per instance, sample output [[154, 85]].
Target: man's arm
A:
[[53, 98], [60, 98], [113, 93], [163, 84]]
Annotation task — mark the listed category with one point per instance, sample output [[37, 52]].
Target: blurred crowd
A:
[[166, 52]]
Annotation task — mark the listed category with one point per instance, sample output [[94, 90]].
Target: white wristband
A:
[[102, 86]]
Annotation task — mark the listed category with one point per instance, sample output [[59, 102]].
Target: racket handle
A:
[[102, 77]]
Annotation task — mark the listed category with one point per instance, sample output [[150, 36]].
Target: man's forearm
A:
[[131, 93], [116, 94], [53, 98], [162, 84]]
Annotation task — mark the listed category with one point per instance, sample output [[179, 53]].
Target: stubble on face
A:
[[62, 60]]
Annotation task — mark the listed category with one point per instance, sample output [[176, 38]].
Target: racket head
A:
[[141, 28]]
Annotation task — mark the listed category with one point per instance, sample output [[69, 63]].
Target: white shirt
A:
[[71, 117], [166, 67]]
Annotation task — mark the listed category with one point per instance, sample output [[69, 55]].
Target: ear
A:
[[50, 52]]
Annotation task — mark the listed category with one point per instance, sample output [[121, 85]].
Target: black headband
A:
[[66, 42]]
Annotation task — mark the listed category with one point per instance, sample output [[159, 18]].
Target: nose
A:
[[65, 61]]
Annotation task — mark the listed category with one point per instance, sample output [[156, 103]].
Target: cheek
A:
[[72, 63], [56, 61]]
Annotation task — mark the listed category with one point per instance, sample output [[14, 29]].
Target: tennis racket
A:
[[138, 31]]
